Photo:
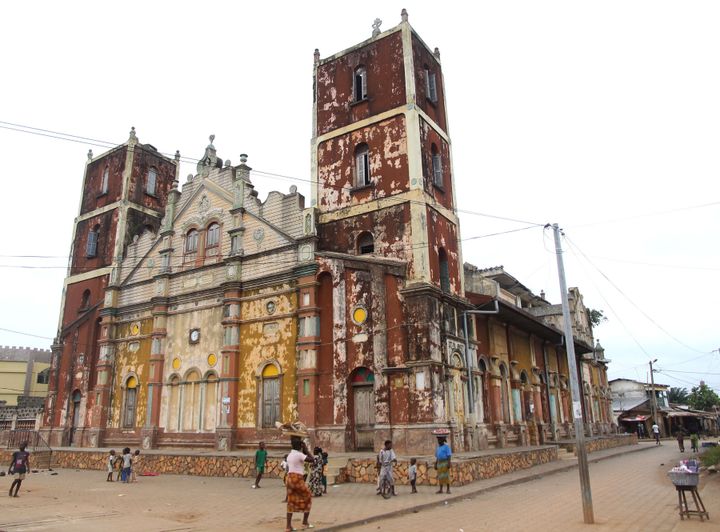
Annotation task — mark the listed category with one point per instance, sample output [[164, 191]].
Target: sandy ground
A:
[[630, 492]]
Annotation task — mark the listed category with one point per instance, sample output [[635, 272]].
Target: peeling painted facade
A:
[[204, 315]]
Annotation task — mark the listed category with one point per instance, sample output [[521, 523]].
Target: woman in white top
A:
[[299, 498]]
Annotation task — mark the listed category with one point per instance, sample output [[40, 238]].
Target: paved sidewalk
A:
[[83, 501], [630, 493]]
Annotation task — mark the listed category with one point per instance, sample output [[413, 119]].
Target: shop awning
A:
[[634, 419]]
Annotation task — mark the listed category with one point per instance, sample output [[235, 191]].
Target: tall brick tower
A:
[[124, 193], [390, 283], [381, 156]]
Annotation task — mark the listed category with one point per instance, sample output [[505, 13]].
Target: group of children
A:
[[124, 465]]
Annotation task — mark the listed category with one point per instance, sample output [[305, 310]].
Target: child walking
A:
[[260, 461], [324, 472], [135, 464], [126, 465], [412, 474], [19, 464], [111, 465]]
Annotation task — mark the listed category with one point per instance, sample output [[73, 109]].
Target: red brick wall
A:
[[383, 60]]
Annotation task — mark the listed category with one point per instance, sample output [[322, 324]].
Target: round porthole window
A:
[[212, 359], [176, 363], [135, 329], [359, 315], [271, 307]]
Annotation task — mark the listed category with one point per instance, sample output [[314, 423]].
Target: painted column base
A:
[[148, 437], [225, 439]]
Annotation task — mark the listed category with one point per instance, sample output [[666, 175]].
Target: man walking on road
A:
[[656, 433]]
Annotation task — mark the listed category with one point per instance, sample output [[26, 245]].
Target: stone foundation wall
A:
[[462, 472], [605, 442], [214, 466]]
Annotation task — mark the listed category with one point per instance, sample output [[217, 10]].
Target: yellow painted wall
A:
[[131, 356], [267, 337], [12, 380], [38, 390]]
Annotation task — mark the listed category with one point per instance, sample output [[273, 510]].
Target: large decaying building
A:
[[200, 316]]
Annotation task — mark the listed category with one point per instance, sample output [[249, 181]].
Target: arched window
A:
[[128, 416], [105, 180], [360, 84], [173, 419], [191, 245], [191, 402], [210, 402], [212, 239], [444, 270], [270, 395], [365, 243], [91, 246], [362, 165], [151, 182], [85, 301], [43, 377], [436, 166], [481, 390], [504, 399]]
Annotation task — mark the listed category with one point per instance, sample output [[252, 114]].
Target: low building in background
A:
[[24, 372]]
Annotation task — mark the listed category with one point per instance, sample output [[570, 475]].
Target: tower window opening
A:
[[444, 271], [105, 179], [436, 166], [365, 243], [362, 165], [151, 182], [430, 85], [92, 242], [360, 84]]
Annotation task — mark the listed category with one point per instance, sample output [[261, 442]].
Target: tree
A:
[[678, 395], [703, 397], [596, 317]]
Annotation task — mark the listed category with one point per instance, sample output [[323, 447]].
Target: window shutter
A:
[[363, 74], [437, 169], [361, 162], [91, 248]]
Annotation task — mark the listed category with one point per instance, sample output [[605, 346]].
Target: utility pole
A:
[[574, 387], [654, 398]]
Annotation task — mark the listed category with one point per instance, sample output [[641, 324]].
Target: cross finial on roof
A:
[[376, 27], [404, 15]]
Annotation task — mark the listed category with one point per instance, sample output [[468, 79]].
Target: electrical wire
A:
[[650, 319]]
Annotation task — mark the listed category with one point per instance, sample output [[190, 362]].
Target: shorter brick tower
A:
[[124, 193]]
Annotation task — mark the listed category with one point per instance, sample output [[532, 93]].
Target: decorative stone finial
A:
[[177, 155], [228, 164], [212, 139], [316, 56], [404, 15], [293, 189], [436, 53], [376, 27], [90, 154], [133, 136], [243, 158]]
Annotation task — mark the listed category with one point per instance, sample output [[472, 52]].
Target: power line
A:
[[691, 372], [657, 213], [108, 145], [25, 334], [632, 302]]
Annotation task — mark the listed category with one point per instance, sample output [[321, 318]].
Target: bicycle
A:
[[385, 488]]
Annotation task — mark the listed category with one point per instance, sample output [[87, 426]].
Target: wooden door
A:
[[271, 402], [364, 406]]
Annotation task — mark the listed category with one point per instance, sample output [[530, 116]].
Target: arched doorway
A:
[[363, 395], [76, 397]]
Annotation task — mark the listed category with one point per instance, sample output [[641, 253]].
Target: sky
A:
[[601, 117]]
